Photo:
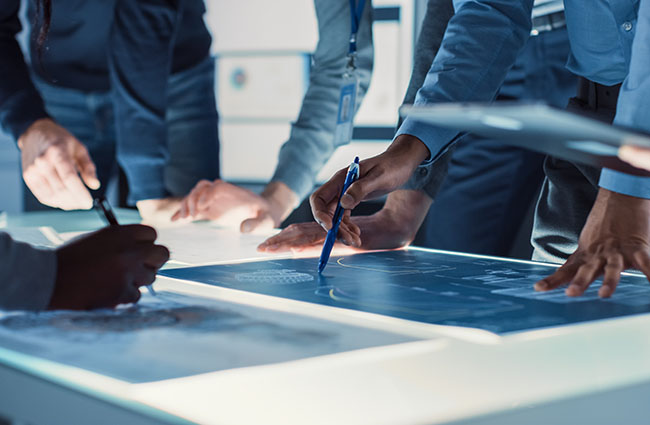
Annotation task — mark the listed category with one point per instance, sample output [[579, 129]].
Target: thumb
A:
[[258, 223], [86, 168]]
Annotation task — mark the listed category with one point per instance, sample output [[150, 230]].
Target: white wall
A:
[[274, 41]]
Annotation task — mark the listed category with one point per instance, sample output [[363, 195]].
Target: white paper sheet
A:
[[199, 244], [39, 236]]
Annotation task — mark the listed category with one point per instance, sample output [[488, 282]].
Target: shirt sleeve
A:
[[27, 275], [480, 45], [633, 109], [311, 142], [429, 177], [140, 56], [20, 102]]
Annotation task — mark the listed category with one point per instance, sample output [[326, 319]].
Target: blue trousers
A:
[[192, 129], [490, 187]]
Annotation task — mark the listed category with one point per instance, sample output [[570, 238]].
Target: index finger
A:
[[323, 198], [137, 233], [71, 180]]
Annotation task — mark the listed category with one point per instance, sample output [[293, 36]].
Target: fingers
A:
[[562, 276], [134, 233], [324, 200], [613, 270], [262, 221], [189, 203], [155, 257], [349, 233], [130, 294], [585, 275], [86, 167], [75, 194], [294, 237], [375, 182]]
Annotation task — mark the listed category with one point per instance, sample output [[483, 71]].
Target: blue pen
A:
[[353, 175], [106, 211]]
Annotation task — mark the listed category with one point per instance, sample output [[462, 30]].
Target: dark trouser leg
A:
[[490, 187]]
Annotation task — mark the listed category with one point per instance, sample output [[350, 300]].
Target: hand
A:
[[636, 156], [616, 236], [394, 226], [158, 210], [106, 268], [53, 159], [233, 205], [378, 176]]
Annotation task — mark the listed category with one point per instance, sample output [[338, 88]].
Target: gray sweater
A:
[[27, 275]]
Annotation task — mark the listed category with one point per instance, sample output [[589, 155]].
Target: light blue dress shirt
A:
[[311, 142], [484, 37]]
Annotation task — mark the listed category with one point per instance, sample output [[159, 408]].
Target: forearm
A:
[[311, 142], [20, 103], [480, 45], [27, 275]]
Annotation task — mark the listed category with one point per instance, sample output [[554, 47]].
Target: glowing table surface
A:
[[592, 372]]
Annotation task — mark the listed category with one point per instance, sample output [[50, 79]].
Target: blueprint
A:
[[431, 287], [173, 335]]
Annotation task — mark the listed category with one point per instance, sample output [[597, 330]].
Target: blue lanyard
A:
[[356, 11]]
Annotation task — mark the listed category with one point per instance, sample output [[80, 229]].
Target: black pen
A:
[[106, 212]]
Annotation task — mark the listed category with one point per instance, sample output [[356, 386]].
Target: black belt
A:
[[597, 96], [549, 22]]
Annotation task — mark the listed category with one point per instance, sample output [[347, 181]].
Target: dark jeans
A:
[[569, 190], [483, 201], [192, 128]]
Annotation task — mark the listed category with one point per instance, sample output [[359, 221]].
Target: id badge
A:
[[347, 106]]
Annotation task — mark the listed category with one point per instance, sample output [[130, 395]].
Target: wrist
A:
[[37, 126], [412, 149], [281, 200]]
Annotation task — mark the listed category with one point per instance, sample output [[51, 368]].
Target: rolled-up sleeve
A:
[[311, 142], [634, 107], [480, 45], [27, 275]]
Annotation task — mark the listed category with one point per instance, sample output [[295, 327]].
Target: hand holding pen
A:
[[106, 212], [351, 177]]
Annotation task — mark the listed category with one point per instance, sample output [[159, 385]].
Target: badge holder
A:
[[347, 105]]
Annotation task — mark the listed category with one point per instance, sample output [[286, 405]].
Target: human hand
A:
[[106, 268], [378, 176], [233, 205], [615, 237], [636, 156], [53, 161], [158, 211], [394, 226]]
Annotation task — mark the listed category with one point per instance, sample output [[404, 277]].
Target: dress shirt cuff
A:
[[298, 178], [626, 184], [436, 139], [21, 112], [146, 180]]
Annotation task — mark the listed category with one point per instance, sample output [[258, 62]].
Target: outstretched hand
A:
[[616, 237], [377, 176], [229, 204], [394, 226]]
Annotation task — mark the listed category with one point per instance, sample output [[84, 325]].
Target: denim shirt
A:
[[311, 142], [484, 37]]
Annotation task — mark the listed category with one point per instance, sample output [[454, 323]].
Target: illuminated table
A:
[[595, 372]]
